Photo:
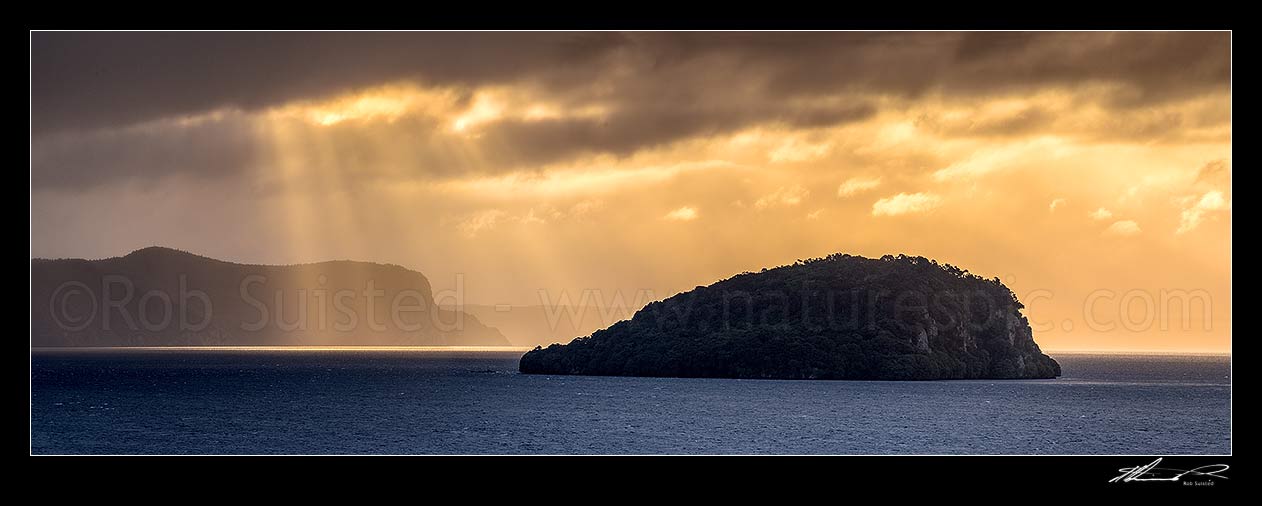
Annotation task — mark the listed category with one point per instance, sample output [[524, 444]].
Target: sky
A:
[[1090, 171]]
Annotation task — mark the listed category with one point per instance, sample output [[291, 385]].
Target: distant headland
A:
[[838, 317], [164, 297]]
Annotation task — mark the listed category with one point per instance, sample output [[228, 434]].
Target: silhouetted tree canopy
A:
[[838, 317]]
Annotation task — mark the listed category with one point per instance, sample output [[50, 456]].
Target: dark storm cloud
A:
[[421, 146], [210, 149], [86, 80], [537, 142], [1157, 66], [83, 80], [90, 91]]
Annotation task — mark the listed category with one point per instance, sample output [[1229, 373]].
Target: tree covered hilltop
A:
[[838, 317]]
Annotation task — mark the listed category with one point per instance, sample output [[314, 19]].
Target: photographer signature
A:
[[1151, 472]]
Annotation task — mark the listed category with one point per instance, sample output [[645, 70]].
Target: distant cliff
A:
[[163, 297], [840, 317]]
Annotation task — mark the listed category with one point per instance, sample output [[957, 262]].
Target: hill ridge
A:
[[835, 317]]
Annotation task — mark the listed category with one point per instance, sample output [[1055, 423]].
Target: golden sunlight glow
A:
[[1053, 191], [685, 213], [574, 182], [461, 110], [486, 107], [387, 104]]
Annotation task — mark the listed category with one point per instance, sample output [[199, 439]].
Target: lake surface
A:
[[474, 402]]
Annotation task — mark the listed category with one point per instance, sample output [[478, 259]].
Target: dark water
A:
[[442, 402]]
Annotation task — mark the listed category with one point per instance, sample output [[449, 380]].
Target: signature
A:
[[1151, 472]]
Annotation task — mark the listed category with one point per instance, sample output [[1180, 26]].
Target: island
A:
[[839, 317]]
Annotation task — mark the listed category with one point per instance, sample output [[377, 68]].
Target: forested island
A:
[[839, 317]]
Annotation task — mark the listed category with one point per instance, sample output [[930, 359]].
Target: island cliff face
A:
[[164, 297], [839, 317]]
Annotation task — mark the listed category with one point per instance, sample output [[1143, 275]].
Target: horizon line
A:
[[1068, 351]]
